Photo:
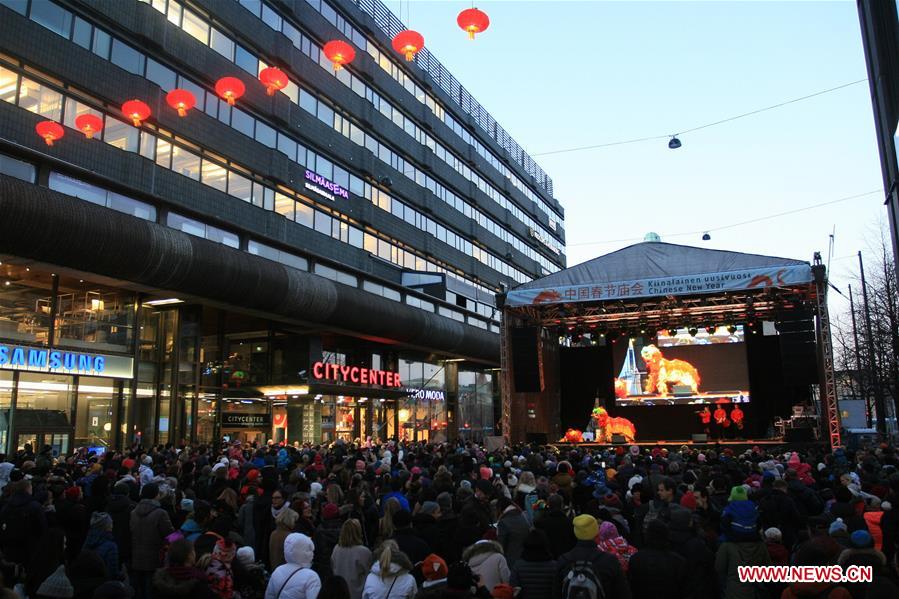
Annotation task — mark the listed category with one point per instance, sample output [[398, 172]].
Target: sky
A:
[[559, 74]]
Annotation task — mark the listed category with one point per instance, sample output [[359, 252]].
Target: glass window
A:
[[243, 122], [19, 6], [40, 99], [127, 57], [77, 188], [220, 236], [52, 16], [97, 402], [305, 215], [74, 109], [284, 205], [185, 163], [187, 225], [82, 33], [18, 169], [307, 101], [287, 146], [239, 186], [260, 249], [294, 261], [222, 44], [246, 61], [265, 134], [163, 153], [8, 85], [101, 43], [271, 18], [131, 206], [121, 135], [162, 76], [214, 175], [195, 26], [355, 237], [254, 6], [44, 398], [147, 145], [323, 223], [325, 114]]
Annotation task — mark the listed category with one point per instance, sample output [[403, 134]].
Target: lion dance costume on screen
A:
[[664, 372]]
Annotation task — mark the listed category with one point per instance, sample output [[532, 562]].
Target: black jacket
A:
[[778, 509], [410, 544], [325, 538], [536, 579], [119, 508], [654, 573], [605, 566], [425, 526], [559, 531], [22, 524], [700, 562]]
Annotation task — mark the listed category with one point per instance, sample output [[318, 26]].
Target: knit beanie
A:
[[738, 493], [224, 551], [503, 591], [101, 520], [861, 539], [56, 585], [434, 567], [486, 473], [585, 527], [246, 555], [837, 526], [773, 535]]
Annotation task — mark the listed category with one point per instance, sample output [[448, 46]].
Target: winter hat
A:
[[224, 551], [187, 505], [688, 500], [149, 491], [246, 555], [837, 526], [607, 531], [445, 501], [218, 466], [429, 507], [57, 585], [360, 466], [486, 473], [738, 493], [635, 450], [72, 493], [252, 476], [330, 511], [112, 589], [315, 489], [773, 534], [512, 480], [861, 539], [503, 591], [101, 520], [700, 457], [886, 506], [585, 527], [821, 467], [434, 567], [465, 484], [128, 463]]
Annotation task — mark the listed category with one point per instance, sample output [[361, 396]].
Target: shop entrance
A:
[[248, 420]]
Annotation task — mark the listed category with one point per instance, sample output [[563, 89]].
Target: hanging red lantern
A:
[[89, 124], [339, 53], [50, 131], [473, 21], [408, 42], [274, 79], [230, 89], [136, 110], [181, 100]]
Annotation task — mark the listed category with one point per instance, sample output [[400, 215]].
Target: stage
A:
[[736, 445]]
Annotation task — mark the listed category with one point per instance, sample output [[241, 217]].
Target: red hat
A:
[[688, 500], [330, 511], [360, 466], [434, 568], [73, 493], [503, 591], [128, 463], [486, 473], [252, 476]]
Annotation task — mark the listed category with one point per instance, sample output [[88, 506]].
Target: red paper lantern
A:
[[89, 124], [408, 42], [50, 131], [473, 21], [339, 53], [230, 89], [136, 110], [181, 100], [273, 79]]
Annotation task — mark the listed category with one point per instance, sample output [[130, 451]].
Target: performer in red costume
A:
[[721, 421], [736, 416], [705, 417]]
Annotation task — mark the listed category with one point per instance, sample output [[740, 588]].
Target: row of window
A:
[[305, 45], [391, 67], [43, 100], [187, 163], [234, 52]]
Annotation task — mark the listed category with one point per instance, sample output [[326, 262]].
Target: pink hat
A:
[[416, 470], [360, 466], [486, 473], [607, 531]]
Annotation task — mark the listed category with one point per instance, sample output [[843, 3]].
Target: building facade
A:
[[316, 264]]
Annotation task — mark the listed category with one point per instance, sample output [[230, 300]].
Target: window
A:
[[101, 43], [214, 175], [238, 186], [265, 134], [246, 61], [221, 236], [16, 168], [222, 44], [79, 189], [127, 57], [284, 205], [17, 5], [305, 215], [323, 223], [164, 154], [39, 99], [162, 76], [243, 122], [195, 26], [82, 33], [52, 16], [131, 206], [185, 163], [8, 85], [187, 225], [121, 135]]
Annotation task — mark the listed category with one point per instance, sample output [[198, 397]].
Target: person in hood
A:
[[739, 520], [390, 575], [295, 579], [487, 561], [512, 529], [609, 541], [119, 507], [535, 571], [150, 525], [326, 535], [145, 472], [23, 522], [732, 554], [180, 578], [812, 554], [101, 541]]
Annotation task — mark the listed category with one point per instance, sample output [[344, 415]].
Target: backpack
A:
[[581, 582]]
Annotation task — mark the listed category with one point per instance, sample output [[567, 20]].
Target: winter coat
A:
[[191, 530], [606, 568], [559, 531], [807, 501], [854, 521], [731, 555], [150, 525], [778, 553], [486, 560], [276, 547], [119, 509], [24, 523], [411, 544], [700, 563], [739, 521], [657, 573], [535, 578], [178, 582], [245, 521], [425, 526], [512, 529], [102, 542], [72, 516], [296, 577], [398, 584], [815, 590], [325, 539], [353, 564], [778, 509]]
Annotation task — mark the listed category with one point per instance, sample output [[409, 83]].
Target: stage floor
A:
[[737, 445]]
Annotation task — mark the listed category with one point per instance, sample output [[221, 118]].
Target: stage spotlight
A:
[[612, 335], [672, 332], [711, 329], [706, 236], [693, 331], [732, 329], [674, 143]]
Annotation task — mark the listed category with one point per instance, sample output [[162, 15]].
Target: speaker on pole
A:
[[525, 362]]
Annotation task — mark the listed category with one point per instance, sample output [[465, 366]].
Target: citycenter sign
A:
[[355, 374], [324, 187]]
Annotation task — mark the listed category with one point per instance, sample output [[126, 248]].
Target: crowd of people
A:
[[413, 520]]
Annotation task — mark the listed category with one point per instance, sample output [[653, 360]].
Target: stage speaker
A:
[[700, 438], [525, 363], [794, 435], [537, 438], [798, 351], [618, 439]]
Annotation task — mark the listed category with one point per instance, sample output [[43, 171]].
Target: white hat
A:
[[773, 534], [246, 555], [314, 489], [147, 460], [218, 466], [512, 480]]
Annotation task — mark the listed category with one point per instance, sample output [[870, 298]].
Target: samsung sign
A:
[[323, 187], [36, 359]]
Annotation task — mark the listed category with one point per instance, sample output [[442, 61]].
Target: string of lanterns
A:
[[230, 89]]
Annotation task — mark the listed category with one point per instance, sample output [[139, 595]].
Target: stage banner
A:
[[754, 278]]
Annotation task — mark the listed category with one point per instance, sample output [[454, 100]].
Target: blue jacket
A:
[[103, 544], [739, 521], [191, 530]]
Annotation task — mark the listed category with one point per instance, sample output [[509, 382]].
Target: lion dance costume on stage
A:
[[606, 426], [664, 372]]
